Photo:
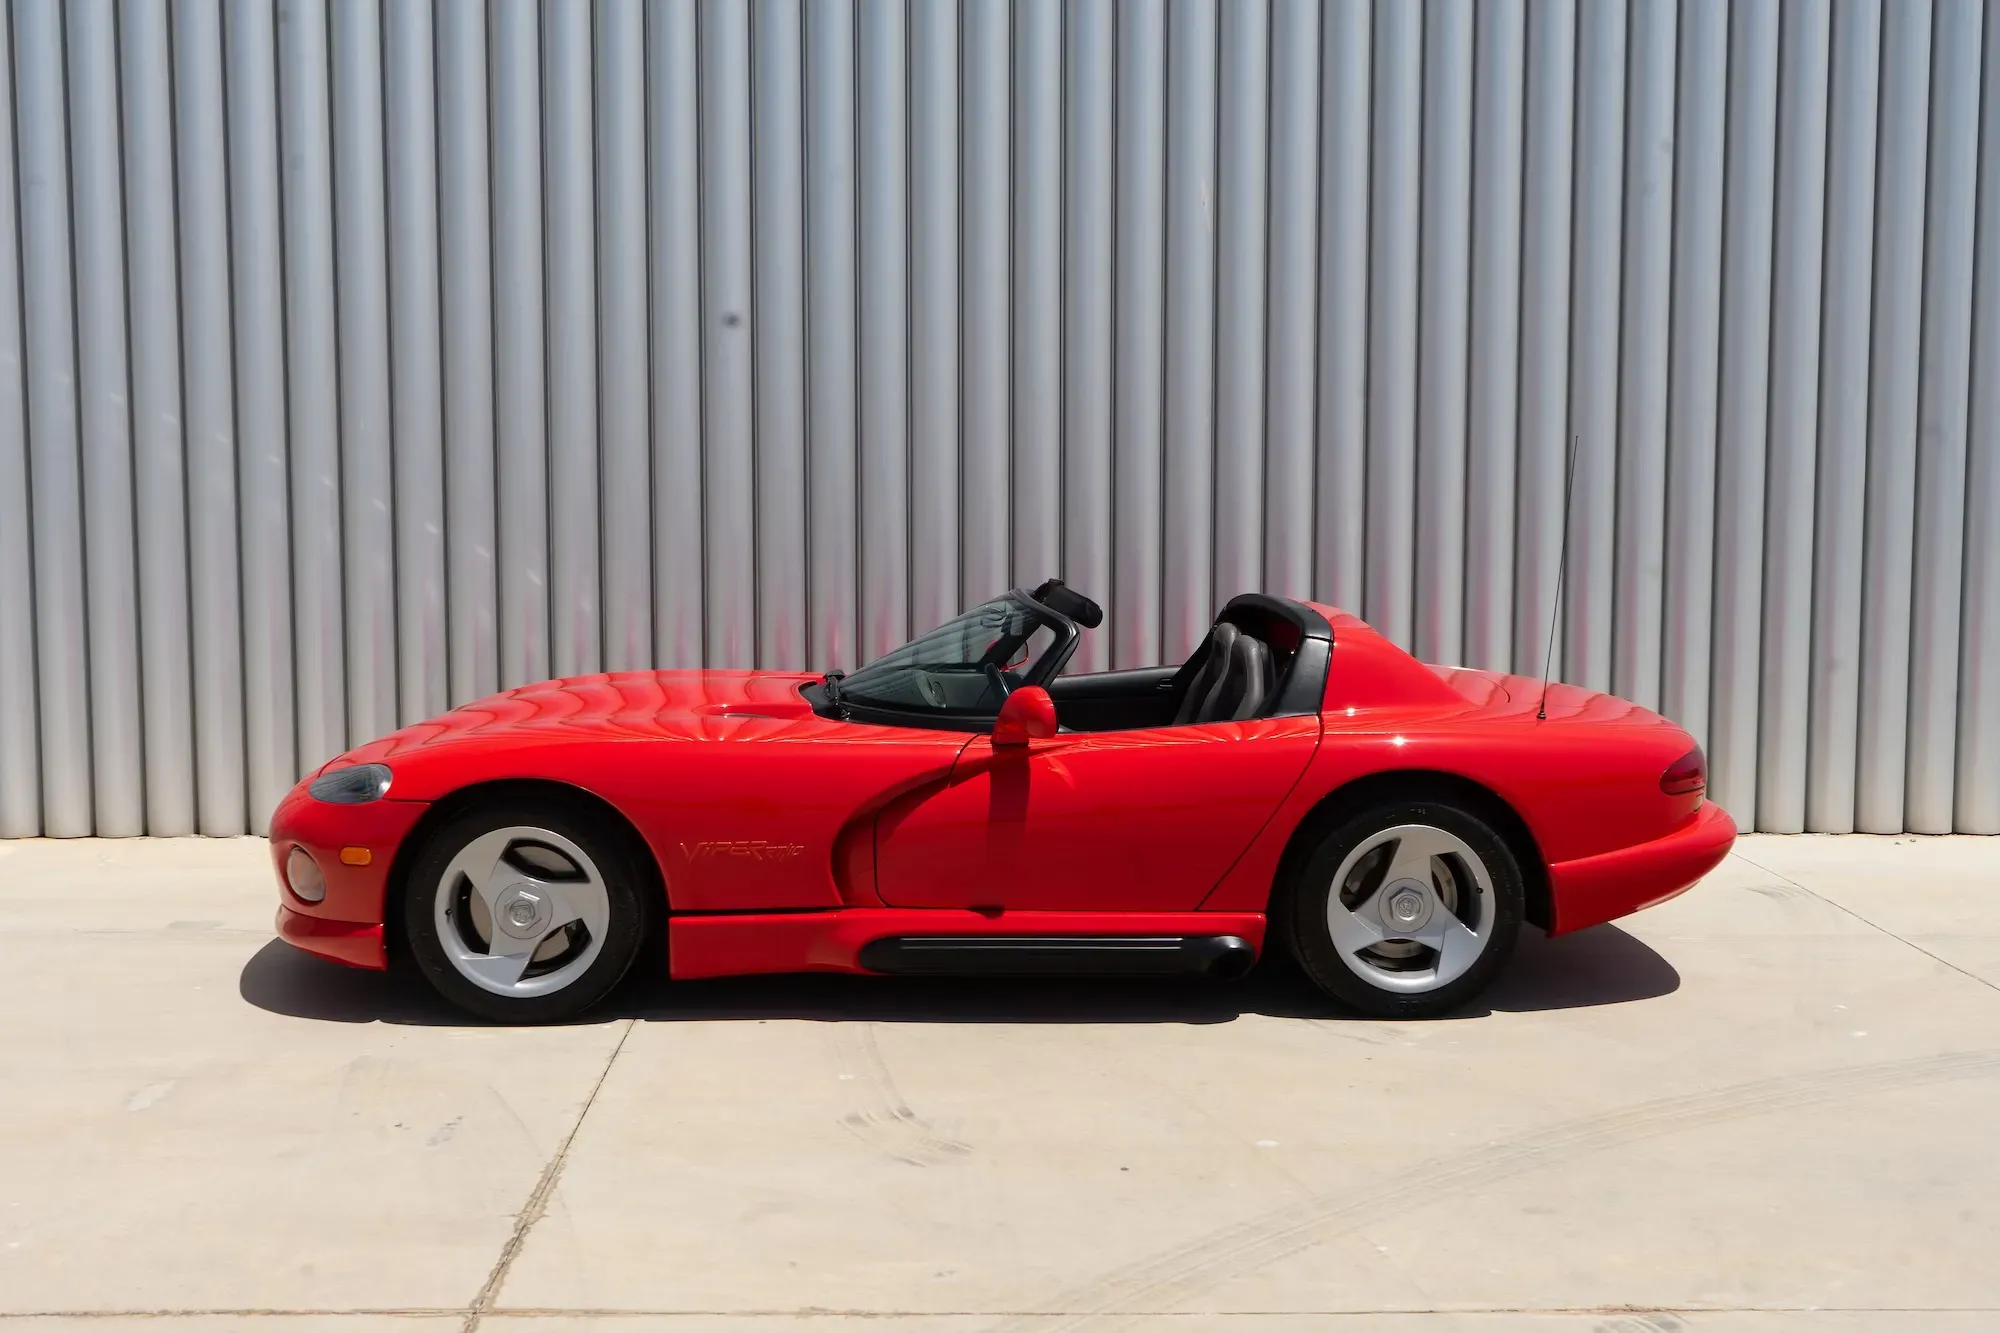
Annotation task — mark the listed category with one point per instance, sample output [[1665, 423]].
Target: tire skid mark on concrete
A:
[[877, 1113], [1174, 1276]]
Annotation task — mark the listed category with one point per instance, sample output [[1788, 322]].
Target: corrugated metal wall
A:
[[360, 359]]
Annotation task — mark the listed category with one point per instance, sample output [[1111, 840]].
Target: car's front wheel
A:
[[525, 911], [1407, 910]]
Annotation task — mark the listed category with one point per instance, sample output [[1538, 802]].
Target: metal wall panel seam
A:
[[1089, 84], [1499, 130], [1944, 370], [1341, 482], [1694, 369], [1794, 400], [1543, 442], [1037, 331], [625, 531], [1393, 293], [1292, 263], [833, 403], [1976, 792], [1188, 471], [263, 455], [465, 285], [416, 405], [881, 116], [934, 314], [20, 730], [55, 477], [1750, 174], [674, 222], [1834, 701], [1444, 329], [104, 421], [312, 379], [985, 513], [1645, 313], [1897, 327], [1596, 273], [1138, 364]]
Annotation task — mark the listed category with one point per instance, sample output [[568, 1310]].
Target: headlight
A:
[[303, 876], [354, 785]]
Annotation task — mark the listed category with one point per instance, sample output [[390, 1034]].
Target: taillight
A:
[[1687, 776]]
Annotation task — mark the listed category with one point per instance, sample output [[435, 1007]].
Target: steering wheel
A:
[[999, 679], [933, 693]]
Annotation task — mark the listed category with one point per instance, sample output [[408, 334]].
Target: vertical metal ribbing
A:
[[159, 476], [520, 403], [934, 314], [882, 124], [984, 324], [103, 387], [1700, 148], [1241, 231], [1188, 472], [20, 756], [1595, 271], [570, 333], [416, 420], [465, 277], [41, 127], [1543, 452], [1949, 218], [1894, 368], [256, 265], [1089, 83], [1340, 497], [1843, 417], [1492, 376], [1292, 294], [361, 287], [832, 402], [778, 328], [1038, 284], [674, 194], [624, 448], [1138, 362], [1794, 391], [1976, 791], [312, 379], [1392, 321], [1443, 327], [1750, 173], [1645, 291]]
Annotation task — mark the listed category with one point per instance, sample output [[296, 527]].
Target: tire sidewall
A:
[[625, 886], [1312, 942]]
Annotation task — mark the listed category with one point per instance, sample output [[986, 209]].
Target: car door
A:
[[1142, 820]]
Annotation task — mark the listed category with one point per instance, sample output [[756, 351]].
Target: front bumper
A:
[[345, 925], [351, 942], [1596, 889]]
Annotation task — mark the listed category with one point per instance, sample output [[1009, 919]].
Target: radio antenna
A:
[[1562, 568]]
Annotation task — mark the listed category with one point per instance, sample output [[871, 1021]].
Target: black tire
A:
[[1304, 907], [630, 890]]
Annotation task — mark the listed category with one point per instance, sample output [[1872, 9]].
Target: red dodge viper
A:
[[961, 806]]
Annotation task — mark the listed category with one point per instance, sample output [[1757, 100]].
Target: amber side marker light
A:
[[1687, 776], [355, 856]]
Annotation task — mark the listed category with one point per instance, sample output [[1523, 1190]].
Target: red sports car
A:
[[962, 806]]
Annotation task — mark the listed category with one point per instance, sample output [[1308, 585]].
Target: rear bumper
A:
[[354, 943], [1603, 888]]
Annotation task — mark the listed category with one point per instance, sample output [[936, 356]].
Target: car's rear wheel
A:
[[524, 911], [1406, 910]]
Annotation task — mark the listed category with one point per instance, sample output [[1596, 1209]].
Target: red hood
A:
[[620, 706]]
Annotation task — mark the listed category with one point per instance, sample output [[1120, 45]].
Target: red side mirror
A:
[[1028, 715]]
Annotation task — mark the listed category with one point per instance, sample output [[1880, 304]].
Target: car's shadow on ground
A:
[[1600, 966]]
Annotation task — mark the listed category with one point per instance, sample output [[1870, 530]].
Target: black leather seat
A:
[[1234, 683]]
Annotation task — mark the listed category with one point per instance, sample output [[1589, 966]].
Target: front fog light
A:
[[302, 874], [353, 785]]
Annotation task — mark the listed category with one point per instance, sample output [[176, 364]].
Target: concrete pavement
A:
[[1765, 1107]]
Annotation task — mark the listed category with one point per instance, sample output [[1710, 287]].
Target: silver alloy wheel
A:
[[1411, 908], [521, 911]]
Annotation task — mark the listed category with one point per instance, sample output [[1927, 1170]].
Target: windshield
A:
[[967, 665]]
